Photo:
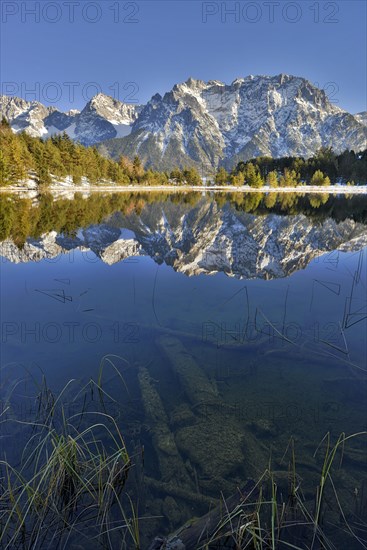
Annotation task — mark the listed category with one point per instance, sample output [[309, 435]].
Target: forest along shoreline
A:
[[332, 189], [58, 162]]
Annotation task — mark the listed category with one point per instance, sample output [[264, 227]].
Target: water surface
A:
[[244, 317]]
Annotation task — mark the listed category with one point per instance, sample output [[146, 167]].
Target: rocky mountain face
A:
[[204, 239], [102, 118], [362, 117], [33, 117], [204, 124], [210, 123]]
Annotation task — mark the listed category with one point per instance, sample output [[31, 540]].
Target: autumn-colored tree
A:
[[237, 179], [320, 179]]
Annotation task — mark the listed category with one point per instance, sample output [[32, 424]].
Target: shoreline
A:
[[332, 189]]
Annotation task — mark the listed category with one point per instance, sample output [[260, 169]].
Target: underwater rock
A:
[[216, 448]]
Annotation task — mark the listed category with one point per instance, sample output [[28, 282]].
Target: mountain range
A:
[[102, 118], [203, 124]]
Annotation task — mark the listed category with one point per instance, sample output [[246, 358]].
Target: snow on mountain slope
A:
[[204, 124], [102, 118], [362, 117], [208, 123]]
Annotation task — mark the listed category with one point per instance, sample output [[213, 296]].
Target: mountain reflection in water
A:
[[245, 236]]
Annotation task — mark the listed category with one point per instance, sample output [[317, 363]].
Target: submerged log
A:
[[197, 533], [179, 492], [196, 384], [215, 441], [222, 339], [171, 465]]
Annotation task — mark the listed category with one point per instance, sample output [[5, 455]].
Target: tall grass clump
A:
[[277, 515], [65, 486]]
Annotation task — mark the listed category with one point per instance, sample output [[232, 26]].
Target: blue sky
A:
[[135, 49]]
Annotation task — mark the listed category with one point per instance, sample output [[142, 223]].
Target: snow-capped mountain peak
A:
[[102, 118], [204, 124], [113, 110]]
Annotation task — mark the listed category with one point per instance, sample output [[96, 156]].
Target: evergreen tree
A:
[[138, 170], [289, 178], [43, 176], [15, 160], [270, 200], [221, 177], [272, 179], [22, 155], [252, 176], [252, 201], [191, 176], [5, 176], [177, 176]]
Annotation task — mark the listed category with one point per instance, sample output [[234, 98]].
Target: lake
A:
[[228, 332]]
